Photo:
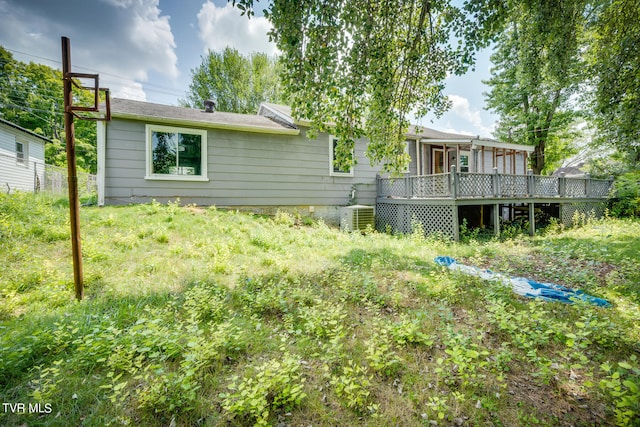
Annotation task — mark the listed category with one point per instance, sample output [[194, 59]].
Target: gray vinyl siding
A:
[[16, 176], [413, 164], [244, 169]]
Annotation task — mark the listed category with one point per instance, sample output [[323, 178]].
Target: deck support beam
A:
[[532, 219], [496, 219]]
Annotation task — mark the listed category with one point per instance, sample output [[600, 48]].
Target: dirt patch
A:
[[561, 401], [196, 210]]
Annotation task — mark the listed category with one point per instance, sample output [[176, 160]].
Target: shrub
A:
[[626, 195]]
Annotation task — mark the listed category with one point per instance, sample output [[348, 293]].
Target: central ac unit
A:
[[356, 217]]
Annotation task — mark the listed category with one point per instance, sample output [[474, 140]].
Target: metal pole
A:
[[72, 177]]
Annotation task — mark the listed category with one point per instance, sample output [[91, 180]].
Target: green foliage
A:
[[352, 386], [237, 83], [410, 330], [31, 96], [468, 234], [284, 218], [340, 328], [270, 387], [465, 362], [623, 387], [361, 68], [380, 355], [626, 196], [613, 57], [536, 71]]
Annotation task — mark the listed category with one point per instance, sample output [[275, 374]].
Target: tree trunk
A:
[[537, 163]]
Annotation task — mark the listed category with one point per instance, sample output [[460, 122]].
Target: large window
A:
[[176, 153], [333, 169]]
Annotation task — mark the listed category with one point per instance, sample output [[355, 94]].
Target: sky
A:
[[146, 49]]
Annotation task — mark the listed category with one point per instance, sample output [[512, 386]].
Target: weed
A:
[[468, 234], [466, 362], [622, 385], [284, 218], [352, 385], [204, 317], [272, 386], [380, 355]]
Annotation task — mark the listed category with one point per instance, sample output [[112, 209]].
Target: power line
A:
[[164, 89], [30, 109]]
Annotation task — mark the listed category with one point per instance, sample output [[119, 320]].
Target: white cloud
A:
[[132, 90], [460, 106], [224, 26], [151, 35], [123, 40]]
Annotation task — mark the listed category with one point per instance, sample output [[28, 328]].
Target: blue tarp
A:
[[523, 286]]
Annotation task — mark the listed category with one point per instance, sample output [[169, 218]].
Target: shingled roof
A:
[[138, 110], [21, 129], [284, 113]]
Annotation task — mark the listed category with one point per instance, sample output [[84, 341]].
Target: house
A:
[[265, 162], [21, 158], [150, 151]]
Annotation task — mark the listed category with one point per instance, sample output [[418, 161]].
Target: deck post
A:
[[496, 219], [562, 185], [531, 187], [454, 182], [587, 184], [407, 187], [532, 219], [495, 182]]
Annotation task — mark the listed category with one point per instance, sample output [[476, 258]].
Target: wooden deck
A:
[[462, 185], [438, 201]]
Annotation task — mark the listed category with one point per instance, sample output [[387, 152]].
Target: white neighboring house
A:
[[21, 158]]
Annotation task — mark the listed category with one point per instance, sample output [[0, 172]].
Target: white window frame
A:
[[150, 128], [333, 172], [433, 160], [24, 160], [467, 154]]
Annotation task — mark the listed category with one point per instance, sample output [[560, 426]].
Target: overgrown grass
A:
[[196, 316]]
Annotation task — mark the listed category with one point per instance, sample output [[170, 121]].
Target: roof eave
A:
[[27, 131], [208, 125], [481, 142]]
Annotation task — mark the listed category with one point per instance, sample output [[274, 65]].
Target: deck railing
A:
[[463, 185]]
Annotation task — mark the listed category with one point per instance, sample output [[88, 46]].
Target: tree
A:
[[536, 74], [237, 83], [614, 58], [360, 68], [31, 96]]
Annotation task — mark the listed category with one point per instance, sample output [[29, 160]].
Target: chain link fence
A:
[[17, 174], [55, 181]]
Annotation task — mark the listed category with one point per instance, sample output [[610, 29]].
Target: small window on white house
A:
[[333, 169], [20, 152], [176, 153]]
